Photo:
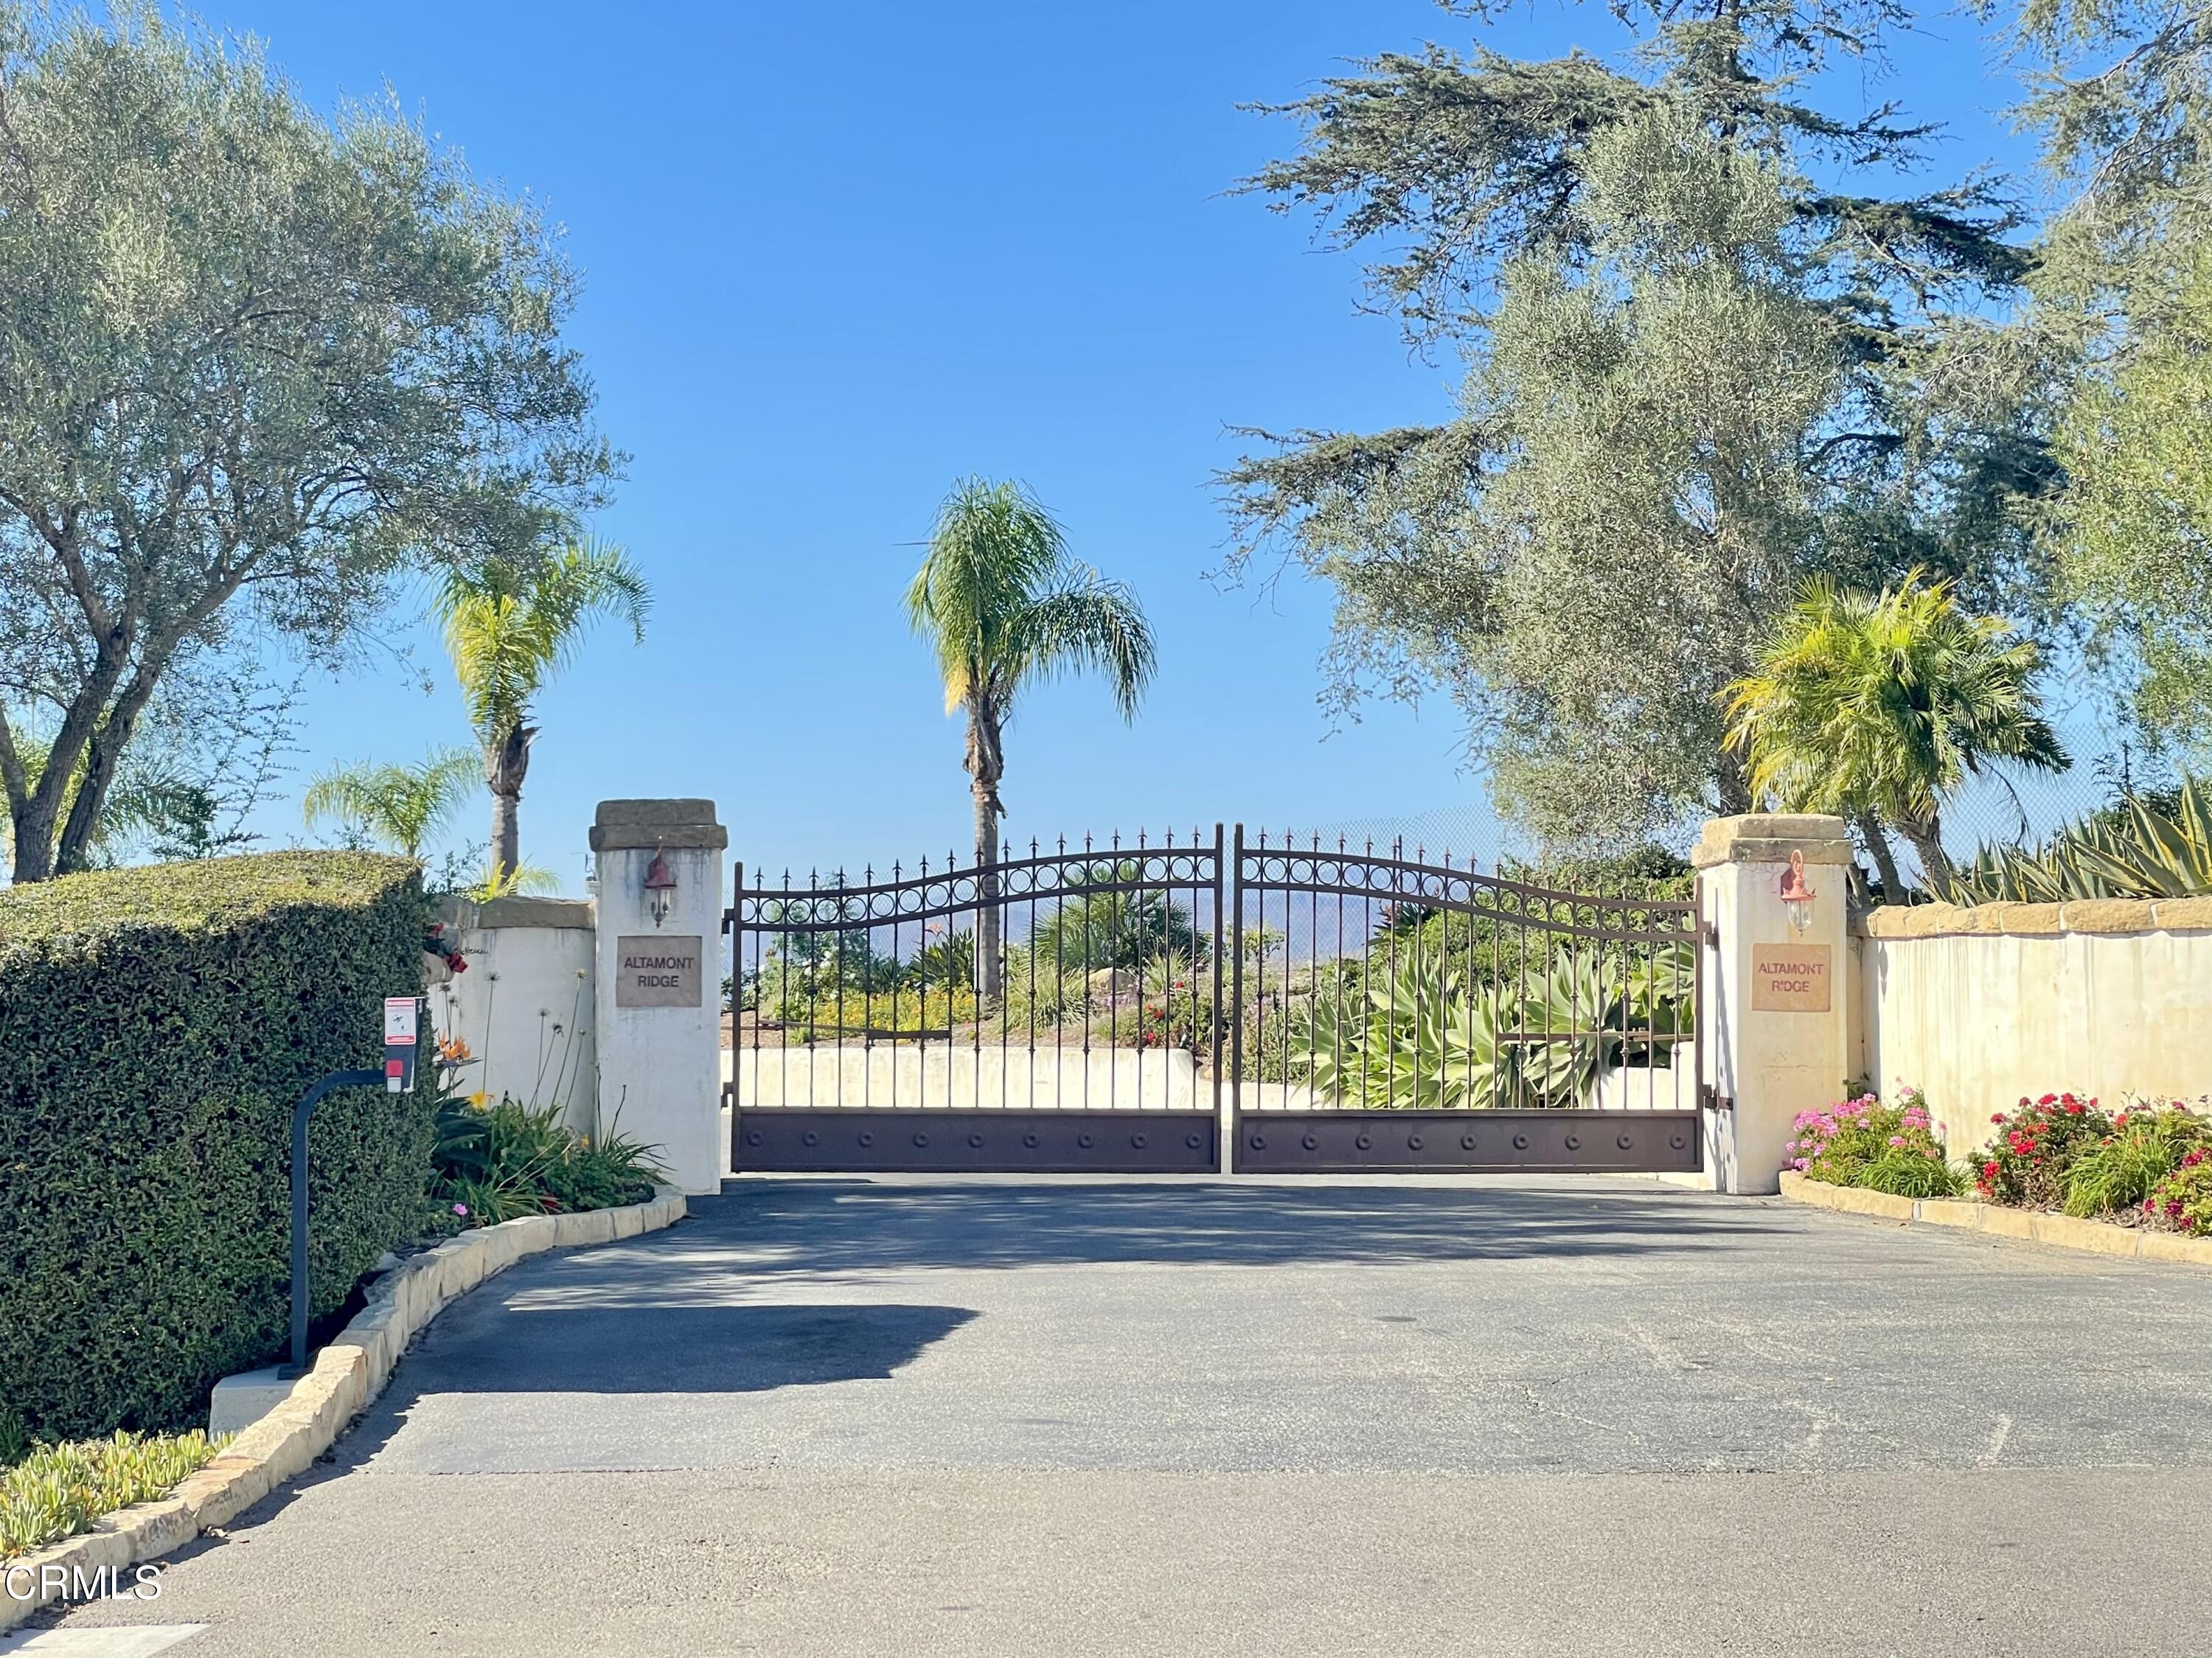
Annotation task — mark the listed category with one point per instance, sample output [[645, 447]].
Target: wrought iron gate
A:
[[866, 1032], [1408, 1015], [1145, 1007]]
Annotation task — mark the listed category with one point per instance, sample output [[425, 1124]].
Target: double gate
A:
[[1211, 1003]]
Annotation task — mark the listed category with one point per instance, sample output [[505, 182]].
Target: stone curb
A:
[[347, 1374], [2001, 1220]]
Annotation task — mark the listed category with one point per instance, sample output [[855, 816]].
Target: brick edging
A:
[[346, 1376], [2031, 1225]]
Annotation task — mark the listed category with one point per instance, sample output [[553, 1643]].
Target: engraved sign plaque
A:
[[658, 970], [1789, 978]]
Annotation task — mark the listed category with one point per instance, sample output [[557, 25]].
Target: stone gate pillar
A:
[[1776, 1019], [659, 865]]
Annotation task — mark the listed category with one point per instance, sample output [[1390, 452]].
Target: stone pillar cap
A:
[[1769, 837], [625, 824]]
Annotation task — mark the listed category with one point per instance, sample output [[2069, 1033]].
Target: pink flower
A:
[[1896, 1139], [460, 1209]]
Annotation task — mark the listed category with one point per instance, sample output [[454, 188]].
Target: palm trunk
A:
[[506, 836], [1927, 838], [985, 766], [1885, 860], [506, 764], [1733, 786], [986, 892]]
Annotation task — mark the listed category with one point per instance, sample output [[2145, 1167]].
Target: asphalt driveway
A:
[[1402, 1416]]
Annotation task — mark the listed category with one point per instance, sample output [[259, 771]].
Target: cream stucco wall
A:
[[942, 1075], [1981, 1006], [525, 1004]]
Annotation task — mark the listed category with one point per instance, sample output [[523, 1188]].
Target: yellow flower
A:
[[477, 1099]]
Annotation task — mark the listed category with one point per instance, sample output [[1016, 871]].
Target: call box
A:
[[402, 1020]]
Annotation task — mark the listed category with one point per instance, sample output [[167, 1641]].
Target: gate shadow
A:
[[764, 1231]]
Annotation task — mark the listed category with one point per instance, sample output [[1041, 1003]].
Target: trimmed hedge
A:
[[156, 1024]]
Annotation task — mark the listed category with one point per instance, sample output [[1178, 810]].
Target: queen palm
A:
[[1003, 603], [1881, 707], [399, 805], [511, 624]]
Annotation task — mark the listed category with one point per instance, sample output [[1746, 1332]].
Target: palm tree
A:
[[511, 624], [1881, 709], [401, 806], [1002, 603]]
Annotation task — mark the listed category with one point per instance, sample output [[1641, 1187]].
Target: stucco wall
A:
[[525, 1006], [1980, 1007]]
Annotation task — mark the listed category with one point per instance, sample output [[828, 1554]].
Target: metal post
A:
[[308, 1102]]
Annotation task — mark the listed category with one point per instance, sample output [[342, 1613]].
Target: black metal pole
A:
[[308, 1102]]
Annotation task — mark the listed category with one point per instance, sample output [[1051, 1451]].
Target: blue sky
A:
[[835, 257]]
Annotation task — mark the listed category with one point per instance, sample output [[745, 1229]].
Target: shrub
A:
[[1862, 1142], [2152, 845], [2035, 1146], [159, 1022], [59, 1490], [496, 1162], [2183, 1198], [1422, 1033], [2147, 1142]]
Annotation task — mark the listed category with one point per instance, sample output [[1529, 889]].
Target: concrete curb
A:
[[347, 1374], [2030, 1225]]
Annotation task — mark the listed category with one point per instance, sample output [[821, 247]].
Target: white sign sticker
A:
[[400, 1020]]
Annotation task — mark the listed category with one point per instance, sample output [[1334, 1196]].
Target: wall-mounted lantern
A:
[[659, 887], [1797, 893]]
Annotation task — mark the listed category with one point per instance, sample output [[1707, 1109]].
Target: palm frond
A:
[[523, 881], [1888, 703], [1087, 621], [1000, 601], [511, 625], [401, 806]]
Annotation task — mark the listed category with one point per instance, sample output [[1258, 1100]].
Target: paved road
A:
[[1402, 1418]]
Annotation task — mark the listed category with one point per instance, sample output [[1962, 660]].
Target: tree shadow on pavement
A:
[[658, 1348]]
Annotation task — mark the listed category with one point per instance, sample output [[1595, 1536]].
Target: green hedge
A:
[[156, 1024]]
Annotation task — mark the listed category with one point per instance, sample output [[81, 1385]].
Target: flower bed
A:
[[1885, 1148], [2148, 1165], [500, 1162], [2137, 1166]]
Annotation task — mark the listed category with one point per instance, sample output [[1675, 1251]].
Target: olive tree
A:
[[1708, 328], [254, 363], [2120, 95]]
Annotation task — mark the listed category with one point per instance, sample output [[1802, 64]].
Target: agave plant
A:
[[1423, 1034], [2144, 849]]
